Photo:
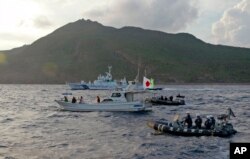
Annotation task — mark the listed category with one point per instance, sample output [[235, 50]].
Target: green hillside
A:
[[84, 49]]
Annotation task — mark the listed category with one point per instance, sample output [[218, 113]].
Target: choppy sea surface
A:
[[33, 126]]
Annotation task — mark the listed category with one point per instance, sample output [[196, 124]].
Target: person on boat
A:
[[98, 99], [81, 100], [178, 95], [73, 100], [198, 121], [166, 98], [171, 98], [177, 124], [208, 122], [188, 120], [212, 122], [161, 98], [65, 99]]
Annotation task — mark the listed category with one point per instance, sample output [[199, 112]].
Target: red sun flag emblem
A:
[[147, 84]]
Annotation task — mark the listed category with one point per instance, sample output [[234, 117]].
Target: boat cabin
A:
[[120, 96]]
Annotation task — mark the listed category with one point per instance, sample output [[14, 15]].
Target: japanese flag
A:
[[147, 83]]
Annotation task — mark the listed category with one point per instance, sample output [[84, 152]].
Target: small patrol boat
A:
[[223, 130], [179, 100]]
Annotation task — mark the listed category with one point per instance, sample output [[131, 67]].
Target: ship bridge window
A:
[[116, 95]]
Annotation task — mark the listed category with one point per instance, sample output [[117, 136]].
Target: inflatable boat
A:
[[221, 130], [161, 101]]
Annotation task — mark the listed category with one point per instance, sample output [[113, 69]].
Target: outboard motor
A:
[[226, 116]]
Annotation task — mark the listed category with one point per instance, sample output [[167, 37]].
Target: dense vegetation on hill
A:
[[83, 49]]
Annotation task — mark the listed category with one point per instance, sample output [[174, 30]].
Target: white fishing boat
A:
[[121, 101], [103, 82]]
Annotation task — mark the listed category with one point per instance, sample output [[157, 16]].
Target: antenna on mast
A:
[[109, 67], [138, 75]]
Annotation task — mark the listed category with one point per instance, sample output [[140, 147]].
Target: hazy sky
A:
[[215, 21]]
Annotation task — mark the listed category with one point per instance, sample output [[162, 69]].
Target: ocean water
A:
[[32, 126]]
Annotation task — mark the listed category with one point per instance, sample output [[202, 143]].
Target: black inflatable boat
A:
[[222, 130], [159, 101]]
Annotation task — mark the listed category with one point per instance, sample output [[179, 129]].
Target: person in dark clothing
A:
[[188, 120], [161, 98], [212, 122], [198, 121], [171, 98], [73, 100], [166, 98], [65, 99], [98, 99], [208, 123]]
